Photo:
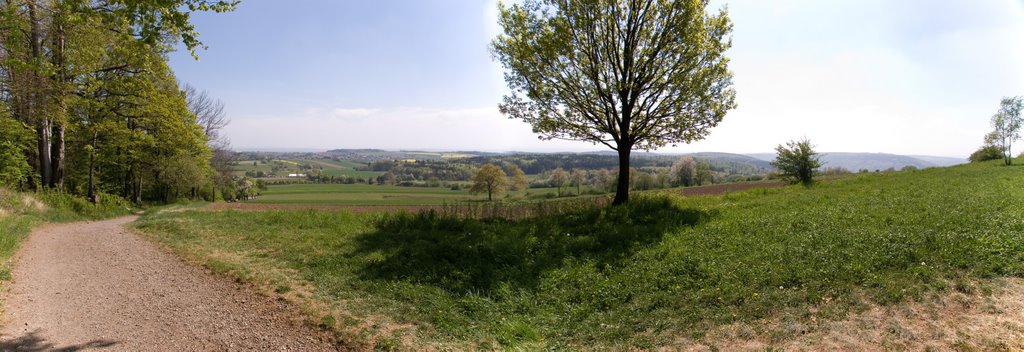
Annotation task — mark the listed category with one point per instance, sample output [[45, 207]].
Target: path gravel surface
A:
[[97, 285]]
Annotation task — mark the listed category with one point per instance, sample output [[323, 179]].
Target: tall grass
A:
[[636, 276]]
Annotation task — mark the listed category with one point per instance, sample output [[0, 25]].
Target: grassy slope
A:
[[639, 275], [20, 212]]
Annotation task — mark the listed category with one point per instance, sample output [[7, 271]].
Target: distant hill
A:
[[875, 161], [734, 158], [941, 160]]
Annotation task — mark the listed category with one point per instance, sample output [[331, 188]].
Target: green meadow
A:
[[638, 276], [364, 194]]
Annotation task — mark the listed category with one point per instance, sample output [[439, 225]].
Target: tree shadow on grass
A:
[[479, 256], [31, 341]]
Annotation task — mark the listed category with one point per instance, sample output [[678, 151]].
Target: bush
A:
[[797, 161], [986, 153], [64, 206]]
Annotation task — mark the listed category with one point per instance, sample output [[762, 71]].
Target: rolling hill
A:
[[875, 161]]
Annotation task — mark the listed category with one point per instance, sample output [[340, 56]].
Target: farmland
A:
[[659, 271], [280, 168], [361, 194]]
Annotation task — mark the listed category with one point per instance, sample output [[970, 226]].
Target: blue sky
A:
[[909, 77]]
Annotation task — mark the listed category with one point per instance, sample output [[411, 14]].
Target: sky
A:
[[918, 77]]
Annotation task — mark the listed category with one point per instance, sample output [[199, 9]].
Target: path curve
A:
[[97, 285]]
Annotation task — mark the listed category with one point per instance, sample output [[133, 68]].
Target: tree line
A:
[[89, 105]]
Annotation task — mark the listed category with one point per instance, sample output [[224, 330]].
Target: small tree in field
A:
[[629, 75], [704, 174], [576, 178], [490, 179], [559, 178], [1006, 126], [797, 161], [517, 178], [684, 171]]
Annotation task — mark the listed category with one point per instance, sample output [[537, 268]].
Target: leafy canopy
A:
[[490, 179], [626, 74]]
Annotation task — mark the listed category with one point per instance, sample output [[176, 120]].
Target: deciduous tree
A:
[[559, 178], [1006, 124], [684, 171], [637, 74], [704, 175], [576, 178], [517, 178], [490, 179]]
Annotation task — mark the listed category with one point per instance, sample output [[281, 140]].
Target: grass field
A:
[[343, 168], [363, 194], [661, 269], [329, 167]]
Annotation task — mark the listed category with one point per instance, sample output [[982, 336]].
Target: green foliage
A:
[[986, 153], [95, 74], [641, 275], [797, 161], [628, 75], [704, 175], [14, 139]]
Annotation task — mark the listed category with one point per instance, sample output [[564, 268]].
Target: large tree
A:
[[628, 74]]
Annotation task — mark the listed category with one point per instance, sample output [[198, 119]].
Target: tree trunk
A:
[[622, 188], [92, 167], [137, 190], [126, 185], [43, 132], [57, 156], [61, 82], [1010, 152], [35, 98]]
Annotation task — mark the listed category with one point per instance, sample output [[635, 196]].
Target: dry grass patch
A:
[[964, 319], [33, 203]]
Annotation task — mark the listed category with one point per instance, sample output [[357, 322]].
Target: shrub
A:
[[797, 161], [986, 153]]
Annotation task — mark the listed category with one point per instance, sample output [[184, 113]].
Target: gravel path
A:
[[96, 285]]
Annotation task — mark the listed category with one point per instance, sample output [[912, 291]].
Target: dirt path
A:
[[97, 285]]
